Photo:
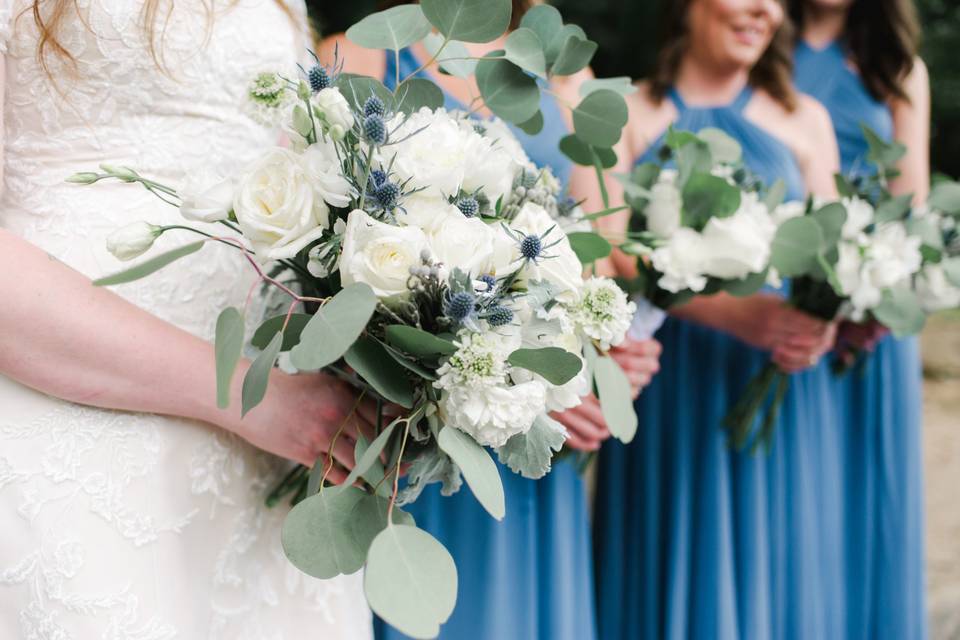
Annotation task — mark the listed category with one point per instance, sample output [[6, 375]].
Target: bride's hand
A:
[[308, 415]]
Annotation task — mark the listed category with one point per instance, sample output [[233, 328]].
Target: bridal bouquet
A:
[[698, 229], [427, 261]]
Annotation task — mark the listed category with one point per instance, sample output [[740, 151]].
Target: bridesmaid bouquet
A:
[[426, 260], [938, 284], [698, 229]]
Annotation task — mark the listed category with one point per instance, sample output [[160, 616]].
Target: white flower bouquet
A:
[[426, 260]]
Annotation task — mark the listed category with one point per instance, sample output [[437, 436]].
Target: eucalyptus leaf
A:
[[507, 91], [692, 159], [524, 49], [334, 328], [416, 93], [410, 581], [228, 346], [370, 455], [831, 219], [796, 246], [291, 336], [574, 55], [945, 197], [547, 23], [951, 268], [534, 125], [616, 401], [317, 537], [723, 148], [893, 209], [478, 468], [356, 89], [531, 454], [747, 286], [409, 363], [901, 312], [558, 366], [369, 518], [775, 194], [469, 20], [884, 154], [372, 362], [707, 196], [600, 117], [149, 266], [453, 58], [580, 152], [621, 84], [258, 375], [589, 246], [927, 230], [394, 28], [418, 343]]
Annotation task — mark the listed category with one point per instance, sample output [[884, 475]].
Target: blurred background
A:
[[627, 33]]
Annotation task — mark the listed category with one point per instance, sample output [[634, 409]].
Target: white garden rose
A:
[[738, 245], [860, 215], [379, 254], [323, 168], [681, 262], [426, 212], [935, 290], [132, 240], [499, 132], [491, 415], [893, 255], [458, 242], [489, 167], [429, 150], [663, 209], [206, 197], [276, 206], [334, 112], [558, 265]]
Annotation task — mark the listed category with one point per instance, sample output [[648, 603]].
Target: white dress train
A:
[[114, 525]]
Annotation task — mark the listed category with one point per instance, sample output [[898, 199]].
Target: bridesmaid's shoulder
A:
[[916, 85], [804, 129], [356, 59], [649, 117]]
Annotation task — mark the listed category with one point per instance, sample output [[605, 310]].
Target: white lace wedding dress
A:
[[113, 525]]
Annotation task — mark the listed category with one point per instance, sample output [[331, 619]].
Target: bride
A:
[[130, 506]]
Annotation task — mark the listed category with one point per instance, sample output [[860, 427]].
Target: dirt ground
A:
[[941, 354]]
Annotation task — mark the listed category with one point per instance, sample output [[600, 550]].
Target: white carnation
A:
[[739, 245], [603, 312], [490, 168], [681, 262], [873, 264], [493, 415], [379, 254]]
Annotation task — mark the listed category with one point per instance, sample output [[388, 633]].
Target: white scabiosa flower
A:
[[681, 262], [603, 312], [132, 240], [268, 98]]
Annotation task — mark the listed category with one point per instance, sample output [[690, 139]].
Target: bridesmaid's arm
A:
[[911, 125], [821, 160]]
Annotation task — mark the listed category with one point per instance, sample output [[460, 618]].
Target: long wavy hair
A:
[[883, 37], [773, 72], [50, 15], [520, 7]]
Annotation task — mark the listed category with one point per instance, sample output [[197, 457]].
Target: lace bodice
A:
[[118, 525]]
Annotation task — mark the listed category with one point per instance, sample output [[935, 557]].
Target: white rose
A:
[[663, 209], [493, 414], [323, 168], [935, 290], [859, 216], [276, 207], [334, 112], [462, 243], [489, 167], [379, 254], [426, 212], [429, 151], [132, 240], [681, 262], [499, 132], [205, 197], [738, 245], [559, 264]]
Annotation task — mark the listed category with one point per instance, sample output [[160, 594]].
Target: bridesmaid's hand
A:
[[308, 415], [586, 428], [640, 360], [862, 336]]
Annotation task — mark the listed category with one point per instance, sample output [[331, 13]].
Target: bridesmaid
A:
[[858, 57], [693, 539], [531, 575]]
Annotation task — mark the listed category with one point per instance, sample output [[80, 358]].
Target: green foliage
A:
[[507, 91], [600, 117], [558, 366], [616, 403], [418, 343], [228, 345], [706, 196], [147, 267], [317, 537], [372, 362], [796, 247], [394, 28], [451, 57], [335, 327], [265, 332], [530, 454], [589, 246], [479, 469], [524, 49], [583, 154], [901, 312], [369, 517], [258, 375], [416, 93], [469, 20]]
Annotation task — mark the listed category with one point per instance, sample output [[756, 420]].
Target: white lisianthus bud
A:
[[206, 197], [334, 112], [133, 240]]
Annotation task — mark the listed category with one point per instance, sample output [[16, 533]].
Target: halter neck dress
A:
[[692, 538], [881, 405], [529, 576]]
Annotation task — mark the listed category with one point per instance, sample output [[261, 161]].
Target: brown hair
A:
[[883, 37], [49, 25], [520, 7], [772, 73]]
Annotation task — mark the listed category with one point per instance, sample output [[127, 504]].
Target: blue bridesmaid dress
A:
[[529, 576], [880, 407], [692, 538]]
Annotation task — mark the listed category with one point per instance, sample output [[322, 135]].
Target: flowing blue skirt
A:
[[883, 458], [528, 577], [695, 540]]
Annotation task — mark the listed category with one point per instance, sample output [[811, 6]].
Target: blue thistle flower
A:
[[319, 78], [375, 129], [531, 246], [377, 177], [468, 206], [460, 306], [373, 106], [499, 316], [387, 195], [489, 280]]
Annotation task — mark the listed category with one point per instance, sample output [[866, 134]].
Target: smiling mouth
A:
[[749, 34]]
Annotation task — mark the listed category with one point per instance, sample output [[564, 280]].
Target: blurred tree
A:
[[627, 33]]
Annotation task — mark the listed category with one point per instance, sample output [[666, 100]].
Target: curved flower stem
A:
[[425, 65], [396, 476], [336, 436]]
